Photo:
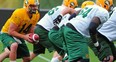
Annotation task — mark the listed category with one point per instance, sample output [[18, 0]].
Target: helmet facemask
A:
[[110, 7], [107, 4], [32, 6], [32, 9]]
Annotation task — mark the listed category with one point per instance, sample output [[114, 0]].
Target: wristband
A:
[[96, 44]]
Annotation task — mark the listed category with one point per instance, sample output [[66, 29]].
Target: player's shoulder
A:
[[96, 7], [101, 9], [20, 10]]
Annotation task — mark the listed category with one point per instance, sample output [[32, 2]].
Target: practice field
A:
[[47, 56]]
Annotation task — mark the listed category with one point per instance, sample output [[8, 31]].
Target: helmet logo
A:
[[72, 4], [26, 2], [107, 2]]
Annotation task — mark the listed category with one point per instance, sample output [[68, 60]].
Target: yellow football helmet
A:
[[107, 4], [31, 2], [70, 3], [31, 5], [85, 3]]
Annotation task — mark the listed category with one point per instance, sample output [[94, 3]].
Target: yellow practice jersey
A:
[[22, 20]]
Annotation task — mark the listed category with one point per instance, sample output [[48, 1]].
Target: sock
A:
[[55, 59]]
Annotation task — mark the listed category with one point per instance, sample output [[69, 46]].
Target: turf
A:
[[47, 56]]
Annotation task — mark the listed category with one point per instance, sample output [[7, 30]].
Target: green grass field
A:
[[47, 56]]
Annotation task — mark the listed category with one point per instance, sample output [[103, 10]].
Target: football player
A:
[[55, 35], [17, 28], [79, 29], [99, 43], [106, 49], [46, 24], [55, 39]]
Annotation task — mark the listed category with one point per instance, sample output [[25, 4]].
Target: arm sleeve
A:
[[93, 30]]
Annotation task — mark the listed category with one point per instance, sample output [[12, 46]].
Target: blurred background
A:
[[44, 4]]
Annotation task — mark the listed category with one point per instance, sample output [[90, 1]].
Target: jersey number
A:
[[52, 11], [26, 29], [85, 11]]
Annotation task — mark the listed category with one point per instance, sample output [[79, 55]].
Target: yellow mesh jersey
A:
[[22, 20]]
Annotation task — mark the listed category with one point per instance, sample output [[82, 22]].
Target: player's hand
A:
[[72, 16], [27, 38], [99, 48], [57, 20]]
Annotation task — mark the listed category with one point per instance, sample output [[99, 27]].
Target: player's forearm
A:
[[16, 34], [32, 29], [68, 11], [92, 30], [94, 40]]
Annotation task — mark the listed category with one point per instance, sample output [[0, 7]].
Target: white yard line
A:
[[115, 44], [42, 57]]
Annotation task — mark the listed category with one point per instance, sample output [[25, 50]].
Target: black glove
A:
[[99, 48], [57, 20], [72, 16]]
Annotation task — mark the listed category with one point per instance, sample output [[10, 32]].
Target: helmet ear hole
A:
[[104, 6], [25, 5]]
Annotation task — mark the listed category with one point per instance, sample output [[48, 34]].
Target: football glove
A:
[[98, 46], [72, 16]]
